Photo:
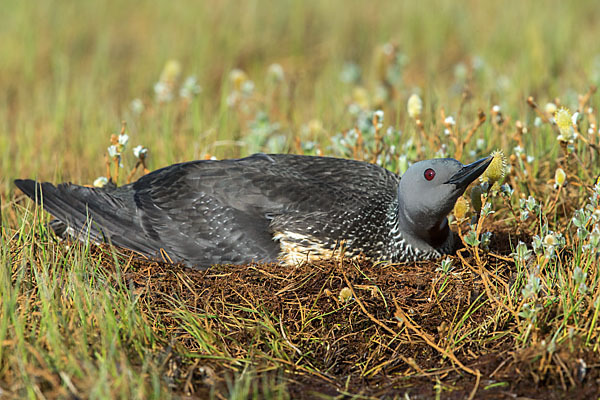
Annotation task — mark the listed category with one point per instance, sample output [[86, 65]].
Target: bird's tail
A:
[[87, 213]]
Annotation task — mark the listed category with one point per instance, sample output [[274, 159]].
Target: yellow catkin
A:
[[171, 72], [414, 106], [461, 208], [497, 168], [563, 119], [559, 177]]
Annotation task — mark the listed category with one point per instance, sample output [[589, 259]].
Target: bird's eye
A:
[[429, 174]]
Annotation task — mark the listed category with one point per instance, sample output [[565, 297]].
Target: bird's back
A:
[[230, 211]]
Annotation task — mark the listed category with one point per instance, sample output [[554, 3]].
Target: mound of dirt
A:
[[356, 328]]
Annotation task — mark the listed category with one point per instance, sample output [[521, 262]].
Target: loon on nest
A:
[[269, 208]]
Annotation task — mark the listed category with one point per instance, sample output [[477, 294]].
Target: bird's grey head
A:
[[429, 189]]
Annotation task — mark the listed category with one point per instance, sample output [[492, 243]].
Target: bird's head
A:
[[429, 189]]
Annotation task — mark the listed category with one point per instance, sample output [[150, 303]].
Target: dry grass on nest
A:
[[404, 327]]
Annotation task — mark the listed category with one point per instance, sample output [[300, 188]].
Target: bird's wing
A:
[[206, 211]]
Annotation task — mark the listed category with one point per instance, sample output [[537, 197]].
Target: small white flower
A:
[[137, 106], [140, 151], [388, 49], [550, 240], [518, 150], [574, 118], [447, 132], [189, 88], [550, 108], [160, 87], [350, 73], [496, 108], [113, 151], [477, 63], [275, 73], [247, 87], [450, 121], [100, 182], [123, 139], [537, 122], [163, 92], [233, 99]]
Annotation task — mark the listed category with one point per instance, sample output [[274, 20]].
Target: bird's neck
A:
[[438, 234], [425, 236]]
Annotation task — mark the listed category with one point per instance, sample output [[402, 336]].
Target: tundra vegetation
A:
[[108, 90]]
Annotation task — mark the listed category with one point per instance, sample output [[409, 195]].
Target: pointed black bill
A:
[[469, 173]]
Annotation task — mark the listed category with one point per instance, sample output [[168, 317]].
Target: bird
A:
[[281, 208]]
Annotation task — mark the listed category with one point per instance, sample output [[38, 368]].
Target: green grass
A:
[[71, 321]]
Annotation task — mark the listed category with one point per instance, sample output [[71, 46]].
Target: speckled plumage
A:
[[268, 208]]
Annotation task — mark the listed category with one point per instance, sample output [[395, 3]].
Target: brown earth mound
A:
[[353, 328]]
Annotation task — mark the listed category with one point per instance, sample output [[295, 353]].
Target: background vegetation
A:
[[295, 76]]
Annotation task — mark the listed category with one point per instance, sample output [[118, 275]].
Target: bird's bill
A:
[[469, 173]]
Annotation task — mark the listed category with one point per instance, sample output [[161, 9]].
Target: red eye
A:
[[429, 174]]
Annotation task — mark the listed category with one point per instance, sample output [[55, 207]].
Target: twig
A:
[[378, 139], [107, 162], [586, 97], [531, 102], [481, 118], [400, 314], [130, 176], [487, 285], [361, 305], [189, 388], [409, 324], [286, 338]]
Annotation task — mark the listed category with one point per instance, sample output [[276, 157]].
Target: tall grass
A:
[[70, 70]]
